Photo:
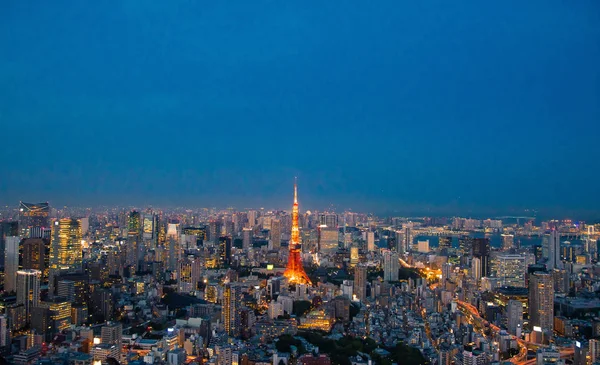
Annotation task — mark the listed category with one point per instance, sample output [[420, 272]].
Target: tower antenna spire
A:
[[294, 271]]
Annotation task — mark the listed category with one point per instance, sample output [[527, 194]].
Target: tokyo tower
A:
[[294, 271]]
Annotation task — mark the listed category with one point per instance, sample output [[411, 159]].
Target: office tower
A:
[[370, 238], [4, 334], [294, 271], [423, 246], [11, 262], [561, 281], [28, 289], [360, 282], [7, 229], [224, 251], [391, 266], [510, 269], [214, 230], [231, 307], [541, 301], [65, 249], [112, 334], [408, 236], [328, 240], [553, 239], [49, 318], [36, 254], [134, 223], [476, 268], [66, 289], [354, 257], [508, 241], [481, 250], [33, 216], [150, 226], [514, 315], [173, 246], [252, 216], [465, 246], [275, 234], [328, 219], [190, 270], [246, 238]]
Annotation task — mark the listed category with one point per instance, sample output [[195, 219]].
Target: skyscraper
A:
[[65, 249], [7, 229], [514, 314], [481, 250], [36, 254], [246, 238], [554, 261], [391, 266], [11, 262], [231, 308], [510, 269], [360, 282], [294, 271], [541, 301], [275, 234], [33, 216], [508, 241], [225, 251], [28, 289]]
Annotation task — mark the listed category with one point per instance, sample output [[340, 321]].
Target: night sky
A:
[[468, 107]]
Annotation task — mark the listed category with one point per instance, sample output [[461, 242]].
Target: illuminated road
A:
[[521, 357], [518, 359]]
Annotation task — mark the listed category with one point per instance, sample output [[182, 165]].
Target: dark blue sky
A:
[[465, 107]]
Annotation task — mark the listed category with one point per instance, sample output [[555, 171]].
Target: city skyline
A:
[[457, 107]]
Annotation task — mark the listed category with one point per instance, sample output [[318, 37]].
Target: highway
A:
[[473, 313]]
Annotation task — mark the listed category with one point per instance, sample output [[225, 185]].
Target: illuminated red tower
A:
[[294, 270]]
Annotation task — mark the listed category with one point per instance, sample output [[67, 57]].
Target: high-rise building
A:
[[252, 216], [370, 241], [11, 262], [150, 226], [190, 270], [112, 334], [481, 250], [4, 334], [553, 239], [275, 234], [65, 249], [354, 256], [28, 289], [33, 216], [247, 238], [508, 241], [541, 302], [391, 266], [328, 219], [360, 282], [328, 240], [7, 229], [510, 269], [231, 307], [294, 271], [514, 316], [36, 254]]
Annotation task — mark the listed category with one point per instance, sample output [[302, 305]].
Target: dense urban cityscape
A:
[[189, 182], [228, 287]]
